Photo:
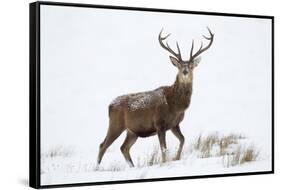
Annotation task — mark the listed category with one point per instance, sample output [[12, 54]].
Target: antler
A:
[[201, 50], [167, 47]]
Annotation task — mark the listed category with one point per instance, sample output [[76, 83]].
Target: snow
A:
[[90, 56], [81, 167], [176, 169], [141, 100]]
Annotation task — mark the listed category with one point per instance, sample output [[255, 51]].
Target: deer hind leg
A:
[[125, 148], [177, 132], [112, 135]]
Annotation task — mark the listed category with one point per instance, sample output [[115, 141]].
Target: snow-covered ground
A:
[[91, 56], [78, 167], [188, 167]]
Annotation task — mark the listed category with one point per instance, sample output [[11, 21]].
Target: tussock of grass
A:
[[152, 158], [215, 145], [205, 145], [250, 154], [114, 167], [229, 147], [155, 158], [58, 151], [241, 156]]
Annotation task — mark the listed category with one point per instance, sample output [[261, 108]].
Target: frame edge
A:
[[119, 7], [273, 96], [34, 93], [34, 138]]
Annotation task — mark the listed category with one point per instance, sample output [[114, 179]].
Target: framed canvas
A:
[[126, 94]]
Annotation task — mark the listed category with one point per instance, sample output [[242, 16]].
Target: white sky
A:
[[90, 56]]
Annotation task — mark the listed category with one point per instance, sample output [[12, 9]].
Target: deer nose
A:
[[184, 72]]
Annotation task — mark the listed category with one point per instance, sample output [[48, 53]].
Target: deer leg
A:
[[177, 132], [109, 139], [162, 139], [125, 148]]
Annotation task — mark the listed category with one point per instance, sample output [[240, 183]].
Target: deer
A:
[[154, 112]]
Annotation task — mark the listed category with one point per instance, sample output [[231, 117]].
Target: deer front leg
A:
[[177, 132], [162, 139]]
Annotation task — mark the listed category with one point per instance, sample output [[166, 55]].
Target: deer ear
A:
[[174, 61], [196, 62]]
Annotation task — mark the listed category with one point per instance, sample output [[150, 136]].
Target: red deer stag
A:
[[154, 112]]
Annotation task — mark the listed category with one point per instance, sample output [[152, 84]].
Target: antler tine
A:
[[179, 51], [178, 55], [201, 46], [167, 47], [211, 34], [191, 51], [201, 50], [163, 38]]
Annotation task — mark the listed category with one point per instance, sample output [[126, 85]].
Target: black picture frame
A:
[[34, 92]]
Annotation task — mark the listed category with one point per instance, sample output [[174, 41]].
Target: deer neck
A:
[[180, 93]]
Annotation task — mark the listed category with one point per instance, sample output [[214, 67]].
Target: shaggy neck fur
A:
[[180, 93]]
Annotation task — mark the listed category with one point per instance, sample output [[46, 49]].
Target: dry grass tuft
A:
[[58, 151], [205, 145], [114, 167], [241, 156], [229, 147], [153, 158], [249, 154], [215, 145]]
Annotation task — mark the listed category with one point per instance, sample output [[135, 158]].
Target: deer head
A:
[[185, 68]]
